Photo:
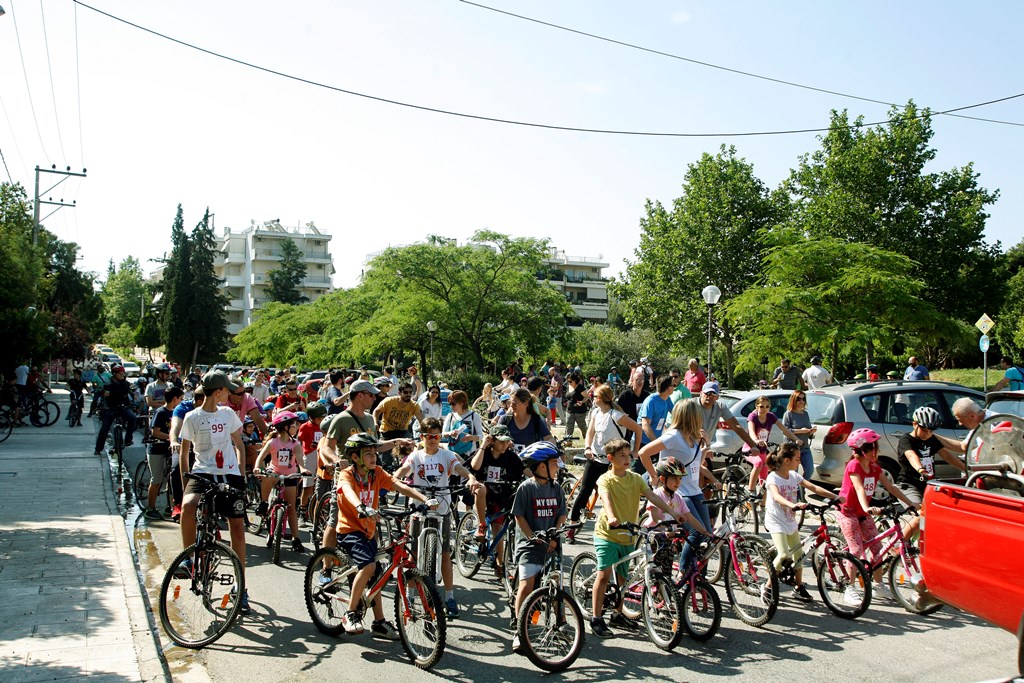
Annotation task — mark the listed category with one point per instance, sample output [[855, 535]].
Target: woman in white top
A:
[[430, 406], [607, 422], [462, 428]]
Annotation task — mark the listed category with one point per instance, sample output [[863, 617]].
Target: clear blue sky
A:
[[163, 124]]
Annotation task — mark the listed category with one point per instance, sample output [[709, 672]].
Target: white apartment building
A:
[[579, 279], [244, 258]]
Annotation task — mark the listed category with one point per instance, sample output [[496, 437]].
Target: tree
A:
[[287, 278], [711, 235], [177, 282], [124, 294], [1009, 329], [207, 302]]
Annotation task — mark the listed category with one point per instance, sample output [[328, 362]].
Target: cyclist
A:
[[76, 385], [862, 476], [917, 451], [215, 434], [290, 399], [116, 403], [160, 448], [670, 476], [155, 390], [494, 461], [394, 416], [358, 498], [539, 505], [282, 449], [309, 437], [759, 424], [103, 377]]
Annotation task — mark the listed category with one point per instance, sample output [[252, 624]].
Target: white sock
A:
[[449, 595]]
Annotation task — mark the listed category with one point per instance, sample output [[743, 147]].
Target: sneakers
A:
[[619, 621], [297, 546], [570, 536], [800, 593], [261, 509], [452, 608], [325, 579], [184, 570], [881, 590], [384, 629], [353, 623], [175, 513], [517, 645], [244, 602], [599, 628], [153, 513], [853, 597], [481, 532]]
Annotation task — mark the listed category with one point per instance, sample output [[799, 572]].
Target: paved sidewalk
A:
[[70, 604]]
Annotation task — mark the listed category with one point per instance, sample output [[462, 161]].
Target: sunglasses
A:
[[801, 398], [432, 437]]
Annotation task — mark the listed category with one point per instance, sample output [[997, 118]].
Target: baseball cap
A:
[[504, 397], [363, 385], [218, 379], [381, 381], [711, 388], [501, 433], [815, 360]]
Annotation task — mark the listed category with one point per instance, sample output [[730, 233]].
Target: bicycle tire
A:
[[6, 427], [276, 532], [310, 508], [716, 565], [581, 580], [633, 593], [702, 610], [427, 562], [327, 598], [37, 415], [118, 438], [754, 591], [746, 518], [141, 484], [833, 584], [902, 586], [73, 413], [662, 613], [467, 547], [509, 569], [569, 489], [551, 629], [420, 618], [836, 542], [181, 608], [52, 413], [320, 518]]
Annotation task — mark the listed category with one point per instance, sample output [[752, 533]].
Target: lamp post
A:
[[431, 328], [711, 295]]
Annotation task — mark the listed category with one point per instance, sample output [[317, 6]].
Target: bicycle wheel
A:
[[662, 610], [467, 547], [427, 561], [52, 413], [550, 627], [118, 438], [37, 414], [752, 585], [6, 426], [198, 605], [569, 489], [581, 580], [326, 586], [746, 519], [717, 563], [420, 620], [902, 584], [845, 597], [633, 592], [72, 414], [320, 517], [141, 484], [509, 570], [276, 532], [702, 610]]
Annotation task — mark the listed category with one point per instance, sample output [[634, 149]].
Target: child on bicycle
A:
[[669, 476], [759, 424], [539, 505], [862, 476], [358, 499], [433, 466], [784, 484], [620, 490], [495, 463], [282, 450], [309, 437]]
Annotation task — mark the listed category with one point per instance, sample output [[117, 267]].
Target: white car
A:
[[131, 369]]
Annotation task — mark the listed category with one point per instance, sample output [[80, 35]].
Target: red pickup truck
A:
[[972, 542]]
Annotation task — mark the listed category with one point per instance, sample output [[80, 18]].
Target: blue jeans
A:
[[108, 417], [699, 508], [806, 462]]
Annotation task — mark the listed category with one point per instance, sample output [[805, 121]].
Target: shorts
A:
[[912, 494], [610, 552], [446, 533], [157, 465], [309, 461], [530, 558], [231, 505], [360, 549], [289, 483]]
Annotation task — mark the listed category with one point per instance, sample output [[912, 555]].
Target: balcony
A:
[[270, 254], [234, 281], [236, 305], [317, 282]]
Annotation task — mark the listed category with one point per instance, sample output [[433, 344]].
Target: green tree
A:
[[72, 292], [1009, 329], [711, 235], [177, 282], [287, 278], [207, 301], [124, 294]]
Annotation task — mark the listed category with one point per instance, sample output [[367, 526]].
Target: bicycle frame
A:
[[880, 555]]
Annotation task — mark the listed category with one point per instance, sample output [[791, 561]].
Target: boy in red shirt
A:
[[309, 437]]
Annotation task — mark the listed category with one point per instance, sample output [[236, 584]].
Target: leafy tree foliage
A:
[[287, 278], [177, 282], [124, 294]]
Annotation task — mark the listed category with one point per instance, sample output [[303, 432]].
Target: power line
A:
[[78, 89], [53, 91], [9, 178], [512, 122], [17, 147], [27, 87], [714, 66]]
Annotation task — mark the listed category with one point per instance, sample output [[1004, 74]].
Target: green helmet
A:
[[315, 410], [357, 442], [669, 468]]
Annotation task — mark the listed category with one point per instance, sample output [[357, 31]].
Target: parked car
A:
[[1011, 402], [131, 369], [887, 407], [741, 404], [111, 358]]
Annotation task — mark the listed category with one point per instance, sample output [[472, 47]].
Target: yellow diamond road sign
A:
[[985, 323]]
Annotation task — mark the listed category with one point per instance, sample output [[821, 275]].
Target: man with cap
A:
[[214, 432], [713, 412], [815, 377], [383, 385]]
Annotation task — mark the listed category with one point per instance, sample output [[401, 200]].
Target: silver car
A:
[[886, 407], [741, 404]]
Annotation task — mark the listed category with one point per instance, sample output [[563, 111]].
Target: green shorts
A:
[[609, 552]]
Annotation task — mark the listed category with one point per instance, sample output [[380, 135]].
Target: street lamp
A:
[[431, 328], [711, 295]]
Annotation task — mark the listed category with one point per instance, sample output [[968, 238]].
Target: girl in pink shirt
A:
[[284, 452]]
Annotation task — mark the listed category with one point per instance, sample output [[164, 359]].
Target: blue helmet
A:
[[539, 452]]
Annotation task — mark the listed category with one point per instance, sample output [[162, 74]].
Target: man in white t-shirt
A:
[[215, 434], [815, 377]]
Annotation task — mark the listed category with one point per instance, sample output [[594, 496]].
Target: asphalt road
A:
[[278, 641]]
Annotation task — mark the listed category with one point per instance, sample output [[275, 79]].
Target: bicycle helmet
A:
[[325, 423], [315, 410], [283, 418], [141, 382], [539, 452], [116, 368], [247, 421], [927, 418], [669, 468], [163, 367], [861, 436], [357, 442]]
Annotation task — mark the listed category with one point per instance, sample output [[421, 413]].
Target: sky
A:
[[157, 124]]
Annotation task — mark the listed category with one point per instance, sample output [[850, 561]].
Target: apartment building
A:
[[244, 258], [579, 279]]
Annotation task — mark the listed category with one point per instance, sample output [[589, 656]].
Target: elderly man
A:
[[969, 414]]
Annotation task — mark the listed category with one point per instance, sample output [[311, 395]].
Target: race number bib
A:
[[284, 458], [869, 486], [316, 437], [928, 463], [493, 474]]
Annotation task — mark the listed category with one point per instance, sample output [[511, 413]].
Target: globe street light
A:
[[431, 328], [711, 295]]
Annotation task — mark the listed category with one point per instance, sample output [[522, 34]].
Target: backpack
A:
[[1018, 383], [463, 447]]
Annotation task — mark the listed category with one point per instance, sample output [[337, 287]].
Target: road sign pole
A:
[[983, 344], [985, 365]]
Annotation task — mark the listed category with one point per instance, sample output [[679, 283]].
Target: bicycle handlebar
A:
[[551, 534], [219, 486]]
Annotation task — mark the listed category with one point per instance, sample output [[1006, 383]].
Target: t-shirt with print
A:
[[507, 467], [396, 414], [210, 435], [871, 478], [368, 491], [155, 390], [927, 450], [345, 424], [676, 503], [606, 428], [762, 429], [541, 506], [656, 409], [309, 436], [284, 455], [624, 493], [689, 457], [434, 470], [779, 519]]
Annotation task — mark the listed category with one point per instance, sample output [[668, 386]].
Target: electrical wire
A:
[[14, 137], [716, 66], [9, 178], [53, 90], [529, 124], [27, 87], [78, 90]]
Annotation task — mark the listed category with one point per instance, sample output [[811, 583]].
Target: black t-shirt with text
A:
[[927, 451]]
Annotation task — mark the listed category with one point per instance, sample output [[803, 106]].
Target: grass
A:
[[969, 377]]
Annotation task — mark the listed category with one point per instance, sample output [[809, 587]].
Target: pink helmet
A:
[[283, 417], [861, 436]]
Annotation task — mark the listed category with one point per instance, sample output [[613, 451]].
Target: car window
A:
[[952, 397], [1013, 406], [821, 408], [872, 406], [900, 407], [729, 402]]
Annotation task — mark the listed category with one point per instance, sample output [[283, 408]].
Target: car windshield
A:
[[821, 408], [728, 401], [1012, 405]]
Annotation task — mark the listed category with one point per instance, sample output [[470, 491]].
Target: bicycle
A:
[[142, 478], [425, 531], [41, 411], [277, 511], [201, 593], [550, 622], [419, 614], [471, 552], [6, 425], [645, 593], [74, 415]]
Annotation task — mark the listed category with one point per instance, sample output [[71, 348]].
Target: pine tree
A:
[[175, 322], [209, 325], [287, 278]]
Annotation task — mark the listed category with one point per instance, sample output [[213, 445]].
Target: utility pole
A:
[[35, 218]]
